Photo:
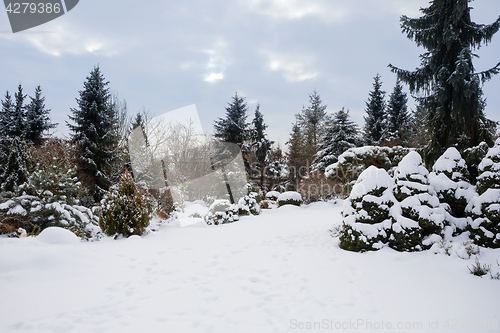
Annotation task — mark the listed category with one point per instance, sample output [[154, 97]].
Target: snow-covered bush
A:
[[272, 195], [367, 221], [352, 162], [449, 178], [123, 209], [48, 198], [221, 211], [485, 208], [418, 216], [249, 204], [289, 198]]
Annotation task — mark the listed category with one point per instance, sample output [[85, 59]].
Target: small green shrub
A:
[[289, 198], [124, 210]]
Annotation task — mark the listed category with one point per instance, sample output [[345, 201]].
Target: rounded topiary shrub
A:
[[418, 214], [289, 198], [367, 221], [124, 210], [449, 178], [485, 208]]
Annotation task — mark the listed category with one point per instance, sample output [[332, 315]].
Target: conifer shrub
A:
[[450, 180], [249, 204], [221, 211], [354, 161], [289, 198], [418, 214], [366, 212], [124, 210], [484, 209]]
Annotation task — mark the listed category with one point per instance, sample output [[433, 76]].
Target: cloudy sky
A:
[[163, 55]]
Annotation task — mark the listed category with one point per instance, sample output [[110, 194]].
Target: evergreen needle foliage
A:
[[124, 210], [450, 88]]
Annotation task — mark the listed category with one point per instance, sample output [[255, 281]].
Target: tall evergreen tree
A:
[[37, 118], [398, 126], [296, 158], [312, 121], [234, 128], [260, 143], [94, 133], [341, 134], [5, 115], [15, 172], [375, 113], [450, 87], [5, 121], [18, 114]]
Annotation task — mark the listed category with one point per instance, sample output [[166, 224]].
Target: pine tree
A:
[[260, 142], [94, 134], [18, 114], [233, 128], [37, 118], [312, 121], [450, 87], [341, 134], [5, 115], [15, 171], [375, 113], [5, 121], [398, 126], [296, 159]]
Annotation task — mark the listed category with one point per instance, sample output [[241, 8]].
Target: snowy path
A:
[[271, 273]]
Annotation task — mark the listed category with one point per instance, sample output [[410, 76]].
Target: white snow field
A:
[[281, 271]]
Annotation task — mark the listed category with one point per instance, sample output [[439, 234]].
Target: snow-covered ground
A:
[[281, 271]]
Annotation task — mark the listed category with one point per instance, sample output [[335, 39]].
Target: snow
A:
[[290, 195], [371, 179], [411, 166], [17, 210], [55, 235], [272, 194], [267, 273]]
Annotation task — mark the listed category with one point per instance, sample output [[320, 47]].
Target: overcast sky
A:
[[163, 55]]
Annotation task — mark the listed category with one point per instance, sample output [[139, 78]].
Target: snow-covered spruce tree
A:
[[451, 88], [5, 119], [367, 220], [260, 143], [94, 133], [312, 122], [37, 118], [123, 210], [296, 157], [276, 171], [418, 214], [375, 114], [15, 171], [18, 115], [234, 128], [398, 122], [485, 208], [449, 178], [341, 134]]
